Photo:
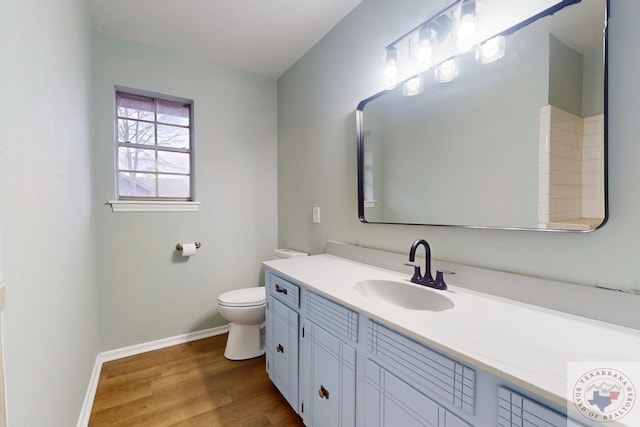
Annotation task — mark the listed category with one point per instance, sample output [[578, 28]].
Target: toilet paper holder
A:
[[179, 246]]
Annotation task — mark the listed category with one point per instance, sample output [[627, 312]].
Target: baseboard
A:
[[119, 353]]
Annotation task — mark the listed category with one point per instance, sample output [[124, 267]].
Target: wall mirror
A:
[[514, 143]]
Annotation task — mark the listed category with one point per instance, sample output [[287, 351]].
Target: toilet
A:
[[245, 310]]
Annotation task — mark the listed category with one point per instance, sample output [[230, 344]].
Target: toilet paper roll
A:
[[188, 249]]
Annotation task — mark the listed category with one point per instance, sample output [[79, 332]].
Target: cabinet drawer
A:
[[515, 410], [282, 289], [423, 367], [335, 318]]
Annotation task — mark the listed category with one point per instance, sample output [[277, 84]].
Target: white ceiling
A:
[[258, 36]]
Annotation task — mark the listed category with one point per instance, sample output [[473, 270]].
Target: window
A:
[[153, 148]]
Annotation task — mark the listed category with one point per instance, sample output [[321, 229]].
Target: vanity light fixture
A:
[[491, 50], [447, 71], [413, 86], [453, 31]]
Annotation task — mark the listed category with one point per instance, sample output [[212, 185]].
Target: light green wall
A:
[[565, 77], [476, 137], [145, 291], [593, 81], [317, 160], [46, 211], [576, 80]]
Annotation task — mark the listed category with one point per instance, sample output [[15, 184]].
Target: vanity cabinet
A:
[[338, 368], [281, 340]]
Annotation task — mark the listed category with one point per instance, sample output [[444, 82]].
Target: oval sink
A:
[[404, 294]]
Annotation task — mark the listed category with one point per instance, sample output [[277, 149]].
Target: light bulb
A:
[[424, 51], [391, 64], [426, 37], [412, 87], [491, 50], [391, 69], [466, 27], [447, 71]]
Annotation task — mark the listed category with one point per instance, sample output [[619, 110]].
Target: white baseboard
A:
[[119, 353]]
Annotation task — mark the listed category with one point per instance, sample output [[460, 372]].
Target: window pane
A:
[[136, 184], [135, 132], [136, 159], [173, 186], [173, 162], [153, 147], [134, 107], [175, 113], [171, 136]]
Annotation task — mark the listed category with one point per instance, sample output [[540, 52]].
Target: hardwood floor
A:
[[190, 384]]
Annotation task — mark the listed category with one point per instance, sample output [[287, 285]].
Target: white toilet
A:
[[245, 311]]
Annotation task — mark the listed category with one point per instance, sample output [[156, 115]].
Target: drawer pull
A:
[[281, 290], [280, 349], [323, 393]]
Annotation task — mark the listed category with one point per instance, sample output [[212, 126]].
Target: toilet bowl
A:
[[245, 310]]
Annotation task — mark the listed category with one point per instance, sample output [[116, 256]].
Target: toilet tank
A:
[[287, 253]]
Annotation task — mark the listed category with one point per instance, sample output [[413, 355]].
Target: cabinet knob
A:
[[323, 393], [279, 349], [281, 290]]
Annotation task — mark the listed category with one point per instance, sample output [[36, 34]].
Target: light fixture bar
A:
[[442, 12]]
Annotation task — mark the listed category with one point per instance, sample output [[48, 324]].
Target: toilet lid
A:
[[246, 297]]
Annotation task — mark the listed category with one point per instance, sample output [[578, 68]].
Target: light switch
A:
[[316, 215]]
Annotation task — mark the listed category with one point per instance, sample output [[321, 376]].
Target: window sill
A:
[[153, 206]]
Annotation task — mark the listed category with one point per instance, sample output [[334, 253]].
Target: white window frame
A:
[[155, 203]]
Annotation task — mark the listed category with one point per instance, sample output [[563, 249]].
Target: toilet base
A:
[[244, 342]]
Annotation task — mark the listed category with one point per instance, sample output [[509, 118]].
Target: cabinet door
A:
[[390, 402], [515, 409], [282, 349], [328, 379]]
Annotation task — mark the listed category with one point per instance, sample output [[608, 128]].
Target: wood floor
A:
[[190, 384]]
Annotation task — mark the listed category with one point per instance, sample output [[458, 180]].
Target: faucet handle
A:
[[446, 272], [417, 274], [439, 282]]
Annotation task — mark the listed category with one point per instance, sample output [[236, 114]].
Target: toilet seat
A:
[[247, 297]]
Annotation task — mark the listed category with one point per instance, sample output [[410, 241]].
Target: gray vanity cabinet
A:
[[338, 368], [281, 340]]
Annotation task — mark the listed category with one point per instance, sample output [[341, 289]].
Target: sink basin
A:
[[404, 294]]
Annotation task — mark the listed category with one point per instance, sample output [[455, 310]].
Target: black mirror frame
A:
[[550, 11]]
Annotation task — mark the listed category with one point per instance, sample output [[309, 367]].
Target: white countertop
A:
[[527, 345]]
